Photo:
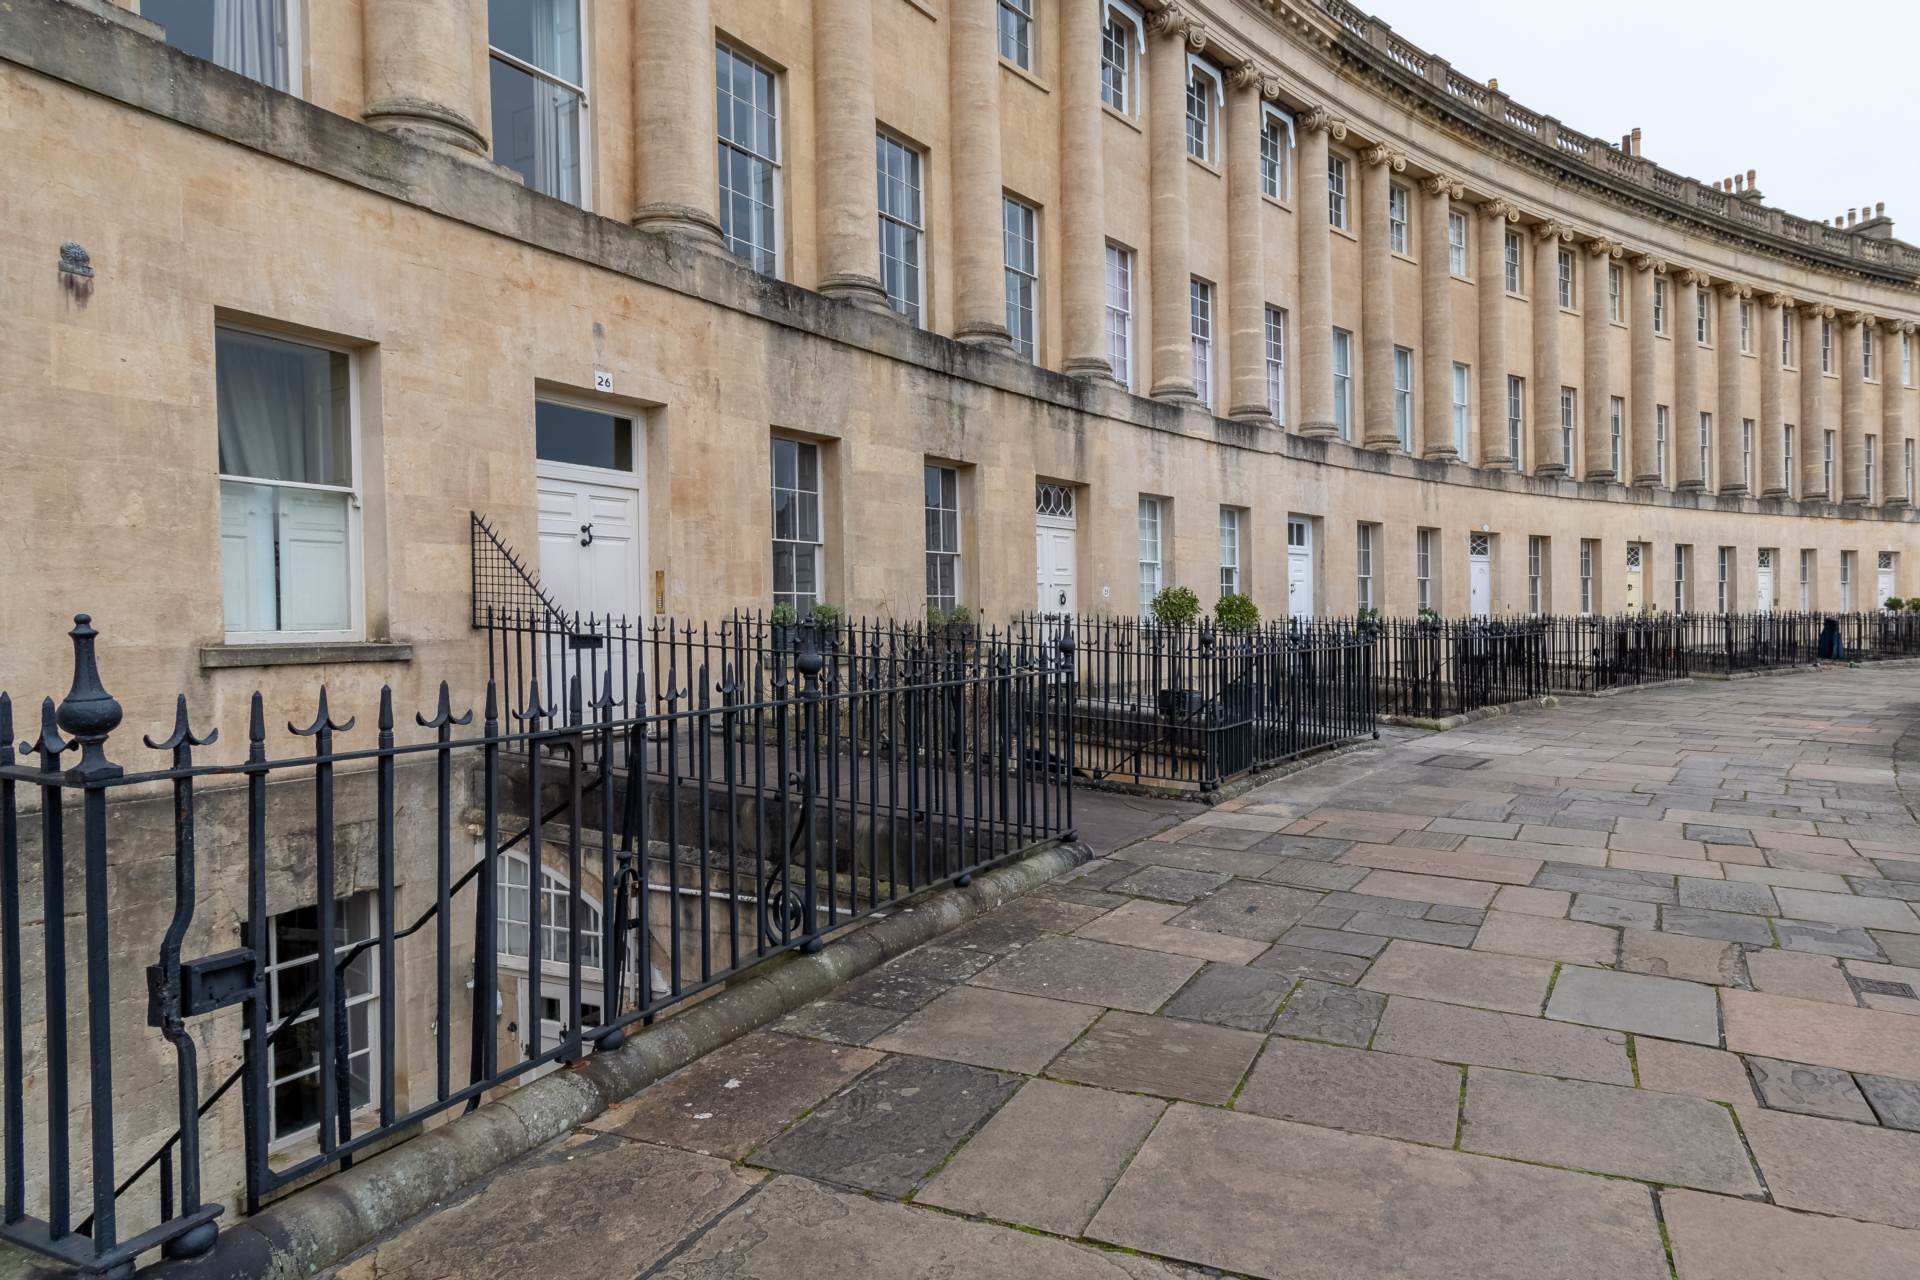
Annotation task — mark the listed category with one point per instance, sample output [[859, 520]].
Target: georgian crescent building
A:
[[888, 304]]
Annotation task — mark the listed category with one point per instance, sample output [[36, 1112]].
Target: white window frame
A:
[[1403, 397], [915, 233], [1423, 568], [1908, 463], [1659, 304], [1724, 575], [273, 966], [1616, 432], [1680, 551], [1020, 245], [1616, 288], [1343, 383], [1806, 580], [1786, 457], [1826, 464], [356, 628], [1846, 582], [1906, 359], [1457, 243], [1276, 158], [1233, 523], [1119, 286], [1706, 448], [1662, 417], [554, 933], [1788, 322], [1122, 28], [1826, 346], [1569, 414], [1514, 271], [1517, 420], [1462, 381], [1702, 318], [1564, 280], [1363, 566], [584, 115], [1205, 110], [1871, 467], [1746, 454], [1536, 557], [1866, 353], [1200, 330], [293, 25], [772, 252], [1150, 528], [1399, 230], [1014, 29], [815, 547], [1338, 206], [942, 553], [1586, 576], [1276, 350], [1746, 327]]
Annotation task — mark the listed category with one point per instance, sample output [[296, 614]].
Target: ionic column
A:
[[1436, 321], [1731, 405], [979, 254], [1596, 449], [1853, 410], [1685, 427], [1491, 448], [1083, 241], [843, 131], [1773, 412], [1316, 273], [676, 186], [1641, 411], [1246, 251], [1814, 422], [422, 72], [1167, 144], [1548, 238], [1376, 296], [1893, 421]]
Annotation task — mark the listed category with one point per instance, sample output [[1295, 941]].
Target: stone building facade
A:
[[990, 303]]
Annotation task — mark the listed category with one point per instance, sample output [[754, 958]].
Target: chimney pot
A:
[[1493, 83], [1879, 208]]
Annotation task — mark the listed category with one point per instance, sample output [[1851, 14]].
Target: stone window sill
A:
[[217, 657], [1121, 116], [1026, 75]]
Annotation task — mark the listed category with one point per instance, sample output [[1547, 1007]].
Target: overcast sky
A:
[[1822, 99]]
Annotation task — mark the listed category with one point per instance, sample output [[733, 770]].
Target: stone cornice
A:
[[1354, 41]]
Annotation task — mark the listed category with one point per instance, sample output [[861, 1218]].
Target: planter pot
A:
[[1180, 704]]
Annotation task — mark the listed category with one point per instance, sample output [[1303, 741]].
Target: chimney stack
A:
[[1636, 140], [1493, 83]]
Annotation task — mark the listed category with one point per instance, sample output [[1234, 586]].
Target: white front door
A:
[[1763, 583], [1479, 582], [1636, 578], [592, 540], [1887, 577], [1299, 569], [1054, 556]]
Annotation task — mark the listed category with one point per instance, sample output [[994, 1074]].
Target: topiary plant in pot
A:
[[1176, 609], [1236, 614]]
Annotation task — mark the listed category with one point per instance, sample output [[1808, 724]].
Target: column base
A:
[[1090, 368], [978, 333], [1776, 493], [1692, 486], [1551, 471], [1855, 497], [862, 291], [429, 124], [1604, 477], [1895, 504], [1319, 430], [1176, 391], [1446, 454], [1648, 480], [1254, 415], [1496, 464], [1388, 443], [681, 219]]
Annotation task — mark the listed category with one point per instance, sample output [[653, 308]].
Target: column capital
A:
[[1553, 231], [1252, 76], [1382, 154], [1175, 21], [1499, 210], [1862, 318], [1896, 326], [1781, 300], [1820, 311], [1319, 119], [1440, 184], [1695, 278], [1601, 247], [1647, 262], [1734, 289]]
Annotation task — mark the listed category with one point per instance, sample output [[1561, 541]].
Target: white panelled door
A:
[[1479, 574], [593, 555], [1763, 582], [1299, 569], [1055, 548], [1636, 578], [1887, 578]]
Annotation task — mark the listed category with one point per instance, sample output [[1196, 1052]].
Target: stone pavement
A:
[[1626, 989]]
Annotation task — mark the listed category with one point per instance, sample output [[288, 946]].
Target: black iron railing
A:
[[573, 864]]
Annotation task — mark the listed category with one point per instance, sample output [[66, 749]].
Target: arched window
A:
[[555, 913]]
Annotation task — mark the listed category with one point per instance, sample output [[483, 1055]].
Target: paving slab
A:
[[1585, 880], [1603, 1128], [1416, 930], [1827, 1035], [1304, 874], [1544, 938], [1091, 972], [1849, 909], [1721, 926], [1316, 1204], [1503, 867], [1164, 1057], [1798, 974], [1895, 1102], [1679, 955], [1808, 1090], [1259, 911], [1512, 984], [1313, 938], [841, 1021], [1330, 1012], [988, 1028], [1046, 1159], [1819, 937], [1479, 1037], [738, 1096], [1900, 948], [1724, 895], [1434, 889], [1171, 884], [794, 1227], [917, 977], [1522, 900], [1672, 1067], [1339, 1088], [1231, 995], [1646, 1005], [1309, 962], [1788, 877], [565, 1200], [890, 1128], [1599, 908], [1721, 1238], [1830, 1166], [1138, 924]]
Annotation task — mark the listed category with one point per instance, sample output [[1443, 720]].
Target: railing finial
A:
[[88, 713]]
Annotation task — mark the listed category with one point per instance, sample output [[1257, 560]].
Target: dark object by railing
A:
[[724, 814], [503, 584]]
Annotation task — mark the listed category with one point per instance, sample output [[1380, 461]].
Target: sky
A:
[[1822, 99]]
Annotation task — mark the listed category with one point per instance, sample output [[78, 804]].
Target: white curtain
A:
[[250, 37], [555, 125], [278, 419]]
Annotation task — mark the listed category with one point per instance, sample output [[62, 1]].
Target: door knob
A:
[[1063, 599], [586, 535]]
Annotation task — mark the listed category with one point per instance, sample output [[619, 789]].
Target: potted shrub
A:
[[1428, 616], [1367, 620], [1175, 609], [1236, 614], [784, 618], [1913, 605], [1893, 604]]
